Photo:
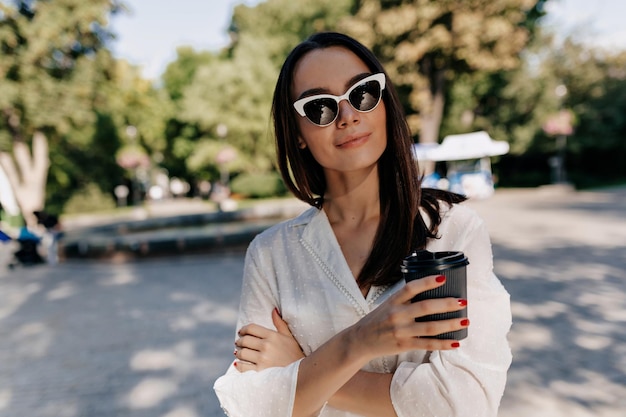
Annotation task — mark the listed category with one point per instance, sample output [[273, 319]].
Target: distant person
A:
[[326, 326], [51, 224], [28, 251], [4, 237]]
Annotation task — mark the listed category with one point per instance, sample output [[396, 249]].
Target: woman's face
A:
[[354, 140]]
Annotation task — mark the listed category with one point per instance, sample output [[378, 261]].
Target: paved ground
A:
[[148, 338]]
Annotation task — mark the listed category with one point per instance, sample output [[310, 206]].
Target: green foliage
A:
[[597, 94], [89, 198], [428, 44], [514, 106], [48, 66], [135, 102], [179, 73], [181, 136], [56, 77], [72, 164], [259, 185], [120, 98], [234, 88], [282, 24], [205, 156], [239, 99]]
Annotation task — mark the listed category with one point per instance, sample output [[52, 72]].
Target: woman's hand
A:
[[391, 328], [259, 348]]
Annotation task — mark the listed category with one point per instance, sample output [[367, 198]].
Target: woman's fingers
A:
[[391, 328], [244, 366], [249, 345], [437, 327], [434, 306], [417, 286], [249, 355], [263, 348], [249, 342], [420, 335], [260, 331], [254, 330], [248, 352], [412, 329], [281, 325]]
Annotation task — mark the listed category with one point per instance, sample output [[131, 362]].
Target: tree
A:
[[181, 135], [595, 80], [50, 51], [130, 118], [511, 105], [236, 92], [584, 81], [139, 111], [234, 87], [180, 72], [282, 24], [428, 44]]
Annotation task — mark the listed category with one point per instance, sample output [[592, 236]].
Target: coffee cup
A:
[[453, 265]]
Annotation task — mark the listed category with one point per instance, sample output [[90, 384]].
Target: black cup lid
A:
[[426, 259]]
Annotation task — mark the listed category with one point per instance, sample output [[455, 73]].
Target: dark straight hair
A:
[[401, 228]]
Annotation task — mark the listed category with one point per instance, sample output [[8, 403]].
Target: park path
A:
[[148, 338], [562, 257]]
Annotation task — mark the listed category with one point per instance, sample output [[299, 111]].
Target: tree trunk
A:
[[431, 117], [27, 174]]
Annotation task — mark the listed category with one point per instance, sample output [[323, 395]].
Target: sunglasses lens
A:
[[321, 111], [366, 96]]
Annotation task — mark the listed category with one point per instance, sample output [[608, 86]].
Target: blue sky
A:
[[599, 22], [149, 34]]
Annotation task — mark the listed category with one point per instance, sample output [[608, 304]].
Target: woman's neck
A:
[[352, 198]]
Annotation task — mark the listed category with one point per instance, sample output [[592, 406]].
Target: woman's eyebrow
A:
[[356, 79], [319, 90], [312, 92]]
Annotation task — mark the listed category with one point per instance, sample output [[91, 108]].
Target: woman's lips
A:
[[353, 140]]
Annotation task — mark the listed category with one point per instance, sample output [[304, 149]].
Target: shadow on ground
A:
[[135, 339], [569, 332]]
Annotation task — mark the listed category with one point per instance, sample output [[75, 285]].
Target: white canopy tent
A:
[[468, 162], [465, 146]]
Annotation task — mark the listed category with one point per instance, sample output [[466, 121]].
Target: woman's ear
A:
[[301, 143]]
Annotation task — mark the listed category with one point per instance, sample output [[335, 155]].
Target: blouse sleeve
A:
[[270, 392], [470, 380]]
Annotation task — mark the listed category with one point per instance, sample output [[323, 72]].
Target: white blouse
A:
[[298, 267]]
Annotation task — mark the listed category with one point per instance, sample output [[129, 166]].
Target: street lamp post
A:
[[225, 156], [222, 131], [561, 139], [131, 132], [559, 125]]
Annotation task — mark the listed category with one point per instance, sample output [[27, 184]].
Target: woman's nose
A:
[[347, 113]]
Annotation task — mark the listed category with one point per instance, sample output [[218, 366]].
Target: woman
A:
[[326, 324]]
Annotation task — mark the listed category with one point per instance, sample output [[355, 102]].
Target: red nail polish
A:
[[465, 322], [455, 344], [235, 364], [441, 278], [235, 353], [462, 302]]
